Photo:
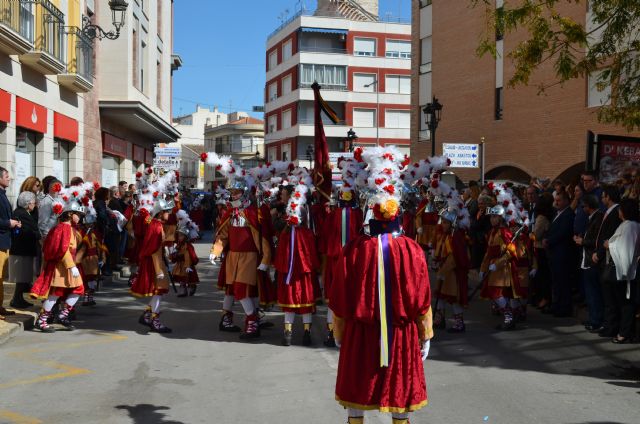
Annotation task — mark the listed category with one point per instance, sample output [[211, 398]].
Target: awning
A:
[[31, 116], [325, 30], [137, 117], [5, 106], [65, 127]]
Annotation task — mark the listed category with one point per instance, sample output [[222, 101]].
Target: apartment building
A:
[[242, 138], [46, 67], [525, 134], [362, 64], [131, 106]]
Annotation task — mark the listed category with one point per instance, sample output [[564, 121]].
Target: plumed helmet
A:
[[162, 205], [73, 206], [497, 210], [450, 215]]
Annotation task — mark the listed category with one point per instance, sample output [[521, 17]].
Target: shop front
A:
[[114, 151], [31, 125], [65, 133]]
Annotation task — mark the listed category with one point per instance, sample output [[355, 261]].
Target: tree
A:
[[606, 48]]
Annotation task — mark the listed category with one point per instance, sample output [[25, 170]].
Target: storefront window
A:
[[60, 165], [25, 157], [110, 171]]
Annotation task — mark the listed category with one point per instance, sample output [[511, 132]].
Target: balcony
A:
[[16, 27], [79, 74], [47, 56], [246, 147], [326, 87]]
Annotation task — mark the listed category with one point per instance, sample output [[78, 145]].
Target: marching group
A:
[[365, 246]]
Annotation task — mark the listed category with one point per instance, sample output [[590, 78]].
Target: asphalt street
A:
[[112, 370]]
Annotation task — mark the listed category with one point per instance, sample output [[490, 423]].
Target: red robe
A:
[[54, 248], [333, 241], [181, 263], [139, 226], [409, 224], [361, 382], [145, 284], [300, 294], [319, 214], [460, 254]]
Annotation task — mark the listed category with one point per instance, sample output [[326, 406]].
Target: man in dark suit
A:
[[6, 226], [559, 244], [610, 223], [590, 271]]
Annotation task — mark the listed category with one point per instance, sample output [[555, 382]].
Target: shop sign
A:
[[148, 157], [166, 163], [31, 115], [138, 153], [65, 127], [614, 157], [114, 145], [5, 106]]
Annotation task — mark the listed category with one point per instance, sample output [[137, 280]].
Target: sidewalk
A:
[[22, 320]]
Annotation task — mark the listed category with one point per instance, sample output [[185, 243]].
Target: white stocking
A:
[[307, 318], [355, 413], [72, 299], [247, 305], [48, 304], [515, 303], [457, 309], [441, 305], [256, 303], [289, 317], [227, 303], [155, 303], [501, 302], [329, 316], [400, 415], [92, 285]]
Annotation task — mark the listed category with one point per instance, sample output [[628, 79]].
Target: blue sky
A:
[[222, 44]]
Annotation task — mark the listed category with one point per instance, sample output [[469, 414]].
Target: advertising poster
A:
[[615, 156], [109, 177], [23, 170]]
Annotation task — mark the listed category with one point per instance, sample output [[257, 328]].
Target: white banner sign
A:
[[168, 151], [109, 177], [167, 163], [462, 155], [23, 170]]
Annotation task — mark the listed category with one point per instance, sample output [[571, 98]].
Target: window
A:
[[399, 49], [596, 97], [287, 50], [286, 85], [397, 119], [398, 84], [425, 55], [364, 47], [286, 151], [364, 82], [272, 124], [159, 81], [143, 48], [159, 18], [273, 59], [330, 77], [425, 3], [499, 103], [24, 157], [286, 119], [273, 91], [364, 118], [61, 149], [135, 43]]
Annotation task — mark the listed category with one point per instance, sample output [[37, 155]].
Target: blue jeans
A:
[[593, 295]]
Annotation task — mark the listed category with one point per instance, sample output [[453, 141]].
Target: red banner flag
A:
[[322, 167]]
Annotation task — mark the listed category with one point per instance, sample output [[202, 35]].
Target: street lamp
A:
[[432, 115], [118, 14], [351, 138], [377, 122]]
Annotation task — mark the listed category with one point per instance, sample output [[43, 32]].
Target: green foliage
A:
[[608, 47]]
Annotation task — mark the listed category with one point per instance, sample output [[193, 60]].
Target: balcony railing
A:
[[311, 121], [49, 29], [81, 62], [18, 16], [313, 49], [331, 87], [236, 147]]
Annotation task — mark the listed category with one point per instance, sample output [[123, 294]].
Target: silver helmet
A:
[[90, 218], [183, 229], [497, 210], [450, 215], [162, 205], [73, 206]]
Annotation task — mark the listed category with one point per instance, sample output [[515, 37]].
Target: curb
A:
[[21, 321]]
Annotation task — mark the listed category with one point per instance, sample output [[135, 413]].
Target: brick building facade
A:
[[536, 135]]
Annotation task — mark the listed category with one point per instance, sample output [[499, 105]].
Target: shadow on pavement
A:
[[145, 413]]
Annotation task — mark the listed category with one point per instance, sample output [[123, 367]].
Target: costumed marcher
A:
[[153, 276], [246, 248], [343, 224], [296, 262], [426, 221], [499, 269], [382, 305], [93, 254], [184, 256], [136, 222], [60, 276]]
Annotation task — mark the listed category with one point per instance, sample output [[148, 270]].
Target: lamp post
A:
[[351, 138], [432, 115], [377, 119], [118, 14]]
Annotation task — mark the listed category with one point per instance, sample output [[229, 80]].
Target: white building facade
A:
[[364, 69]]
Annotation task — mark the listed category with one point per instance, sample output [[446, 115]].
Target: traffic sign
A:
[[166, 163], [462, 155], [168, 151]]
